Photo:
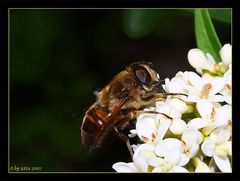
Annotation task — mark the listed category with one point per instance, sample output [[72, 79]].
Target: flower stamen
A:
[[205, 91], [154, 136], [228, 87], [213, 115], [145, 138]]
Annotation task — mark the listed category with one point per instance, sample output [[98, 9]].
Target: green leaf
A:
[[220, 15], [140, 22], [206, 37], [223, 15]]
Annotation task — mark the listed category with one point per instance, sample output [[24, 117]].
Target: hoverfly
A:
[[120, 101]]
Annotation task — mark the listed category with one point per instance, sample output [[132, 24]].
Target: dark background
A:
[[59, 57]]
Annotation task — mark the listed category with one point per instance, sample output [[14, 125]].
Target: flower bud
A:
[[198, 60], [226, 54]]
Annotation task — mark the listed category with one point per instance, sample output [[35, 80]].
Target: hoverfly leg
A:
[[174, 94], [127, 125], [152, 112], [155, 112], [124, 138], [165, 94], [162, 96]]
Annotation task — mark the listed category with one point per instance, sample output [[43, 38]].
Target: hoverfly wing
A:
[[116, 110]]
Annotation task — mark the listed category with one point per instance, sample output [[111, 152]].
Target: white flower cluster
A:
[[197, 135]]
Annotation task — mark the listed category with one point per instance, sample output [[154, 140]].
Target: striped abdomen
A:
[[93, 127]]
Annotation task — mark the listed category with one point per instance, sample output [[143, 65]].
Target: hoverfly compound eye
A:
[[142, 75]]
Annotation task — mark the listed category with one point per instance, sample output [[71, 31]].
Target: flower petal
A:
[[228, 99], [174, 113], [178, 169], [124, 167], [224, 113], [197, 123], [217, 98], [193, 150], [210, 58], [176, 85], [226, 54], [198, 60], [195, 80], [183, 160], [172, 143], [202, 167], [162, 107], [178, 126], [169, 148], [217, 85], [157, 170], [141, 160], [222, 163], [173, 156], [208, 147], [178, 105], [220, 134], [160, 149], [146, 128], [155, 161], [144, 146], [191, 136], [191, 98], [164, 125], [205, 108]]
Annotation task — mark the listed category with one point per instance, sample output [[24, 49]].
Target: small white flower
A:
[[178, 126], [124, 167], [170, 149], [191, 138], [164, 107], [227, 89], [211, 116], [201, 166], [176, 85], [163, 165], [168, 152], [173, 108], [177, 104], [146, 127], [199, 61], [204, 88], [226, 54], [218, 146], [141, 156]]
